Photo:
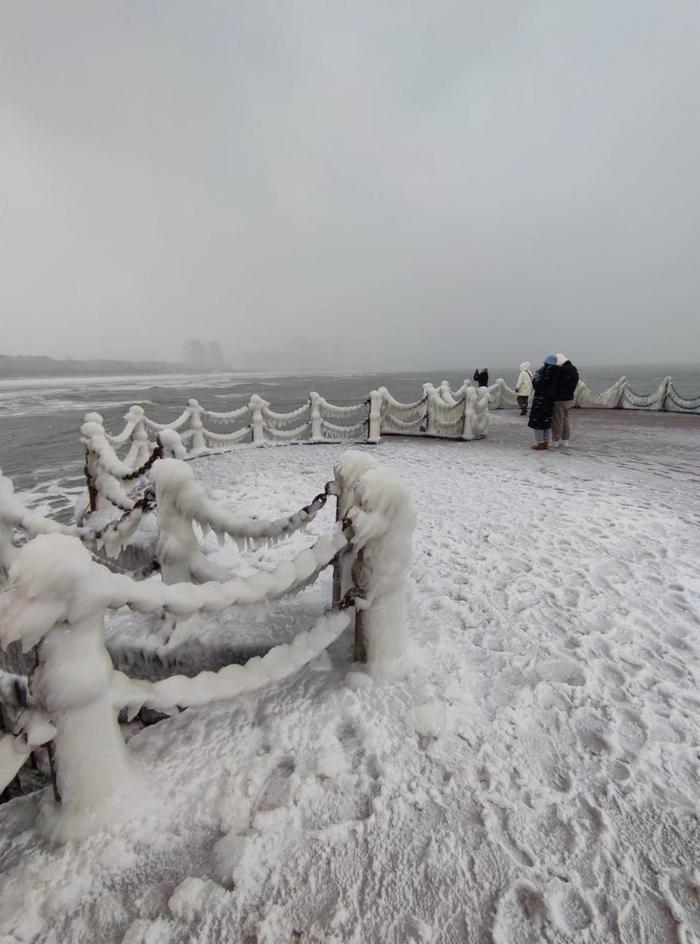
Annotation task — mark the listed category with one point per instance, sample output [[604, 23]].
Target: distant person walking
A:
[[544, 384], [566, 388], [481, 376], [523, 388]]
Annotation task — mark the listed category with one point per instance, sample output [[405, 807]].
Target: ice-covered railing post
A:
[[90, 468], [103, 468], [177, 551], [374, 419], [257, 419], [14, 516], [51, 604], [316, 418], [429, 422], [470, 401], [7, 548], [196, 426], [140, 446], [380, 509]]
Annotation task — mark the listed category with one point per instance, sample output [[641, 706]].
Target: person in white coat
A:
[[523, 388]]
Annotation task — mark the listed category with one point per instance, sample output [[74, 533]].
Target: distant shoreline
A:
[[25, 367], [30, 367]]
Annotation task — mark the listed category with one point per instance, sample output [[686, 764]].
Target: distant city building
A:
[[215, 355], [204, 355]]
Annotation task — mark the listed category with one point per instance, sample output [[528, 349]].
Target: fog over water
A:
[[367, 185]]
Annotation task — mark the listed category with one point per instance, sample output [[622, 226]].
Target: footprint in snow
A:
[[571, 912], [565, 671], [592, 734], [631, 735], [521, 914]]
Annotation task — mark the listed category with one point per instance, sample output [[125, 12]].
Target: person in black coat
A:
[[564, 400], [481, 376], [544, 384]]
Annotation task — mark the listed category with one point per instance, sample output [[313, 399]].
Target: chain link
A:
[[350, 596], [146, 503], [155, 455]]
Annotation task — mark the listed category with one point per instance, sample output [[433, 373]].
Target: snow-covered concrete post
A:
[[90, 467], [347, 473], [7, 550], [469, 404], [496, 389], [374, 421], [139, 451], [197, 426], [476, 412], [173, 446], [428, 396], [381, 510], [177, 542], [481, 415], [383, 520], [105, 489], [177, 551], [56, 602], [316, 426], [257, 420]]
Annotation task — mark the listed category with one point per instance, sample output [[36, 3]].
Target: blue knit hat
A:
[[551, 359]]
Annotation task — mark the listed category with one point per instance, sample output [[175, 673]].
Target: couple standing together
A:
[[552, 389]]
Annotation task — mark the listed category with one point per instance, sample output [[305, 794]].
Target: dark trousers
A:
[[522, 403]]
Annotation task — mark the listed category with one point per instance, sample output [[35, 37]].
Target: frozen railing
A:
[[18, 524], [58, 596], [442, 413], [317, 420], [183, 504], [15, 517], [116, 483], [620, 396]]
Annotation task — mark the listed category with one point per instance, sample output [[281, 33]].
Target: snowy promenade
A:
[[535, 779]]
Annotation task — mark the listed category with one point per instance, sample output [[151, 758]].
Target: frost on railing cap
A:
[[172, 443], [92, 429], [348, 470], [134, 413], [256, 401], [51, 580], [383, 503]]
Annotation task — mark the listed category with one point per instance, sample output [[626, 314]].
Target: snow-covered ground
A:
[[534, 779]]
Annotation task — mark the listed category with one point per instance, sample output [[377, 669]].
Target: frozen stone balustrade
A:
[[441, 412], [317, 420], [621, 396], [618, 396], [58, 597], [462, 414]]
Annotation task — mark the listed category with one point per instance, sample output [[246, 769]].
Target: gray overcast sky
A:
[[433, 182]]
